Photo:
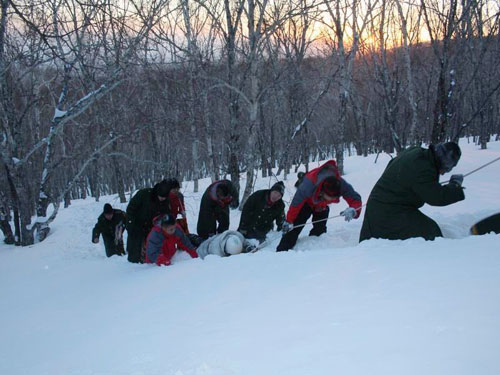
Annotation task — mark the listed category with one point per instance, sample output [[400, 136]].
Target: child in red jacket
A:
[[165, 239]]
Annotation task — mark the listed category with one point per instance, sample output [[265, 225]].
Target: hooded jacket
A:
[[310, 188]]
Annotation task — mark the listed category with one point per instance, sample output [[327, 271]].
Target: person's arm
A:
[[351, 196], [280, 217], [154, 244], [234, 193], [96, 232], [185, 244], [222, 215], [427, 187]]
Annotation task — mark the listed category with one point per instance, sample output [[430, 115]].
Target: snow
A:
[[330, 306], [59, 113]]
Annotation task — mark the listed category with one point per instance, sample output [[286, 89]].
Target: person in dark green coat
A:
[[409, 181], [214, 208], [144, 206], [260, 211], [110, 225]]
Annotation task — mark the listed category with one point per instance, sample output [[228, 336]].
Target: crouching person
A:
[[225, 244], [260, 210], [110, 224], [165, 239]]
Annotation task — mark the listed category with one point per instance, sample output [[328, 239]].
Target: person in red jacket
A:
[[319, 188], [165, 239]]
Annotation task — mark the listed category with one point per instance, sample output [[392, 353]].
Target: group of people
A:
[[156, 219]]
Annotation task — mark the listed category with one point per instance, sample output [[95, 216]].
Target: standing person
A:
[[145, 205], [214, 208], [261, 210], [409, 181], [110, 224], [165, 239], [319, 188]]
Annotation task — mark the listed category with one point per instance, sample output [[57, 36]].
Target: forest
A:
[[108, 96]]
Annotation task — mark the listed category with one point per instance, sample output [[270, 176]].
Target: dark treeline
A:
[[100, 99]]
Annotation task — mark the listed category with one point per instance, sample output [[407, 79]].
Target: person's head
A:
[[108, 211], [222, 192], [330, 189], [167, 223], [233, 245], [447, 156], [277, 191], [162, 190], [173, 185]]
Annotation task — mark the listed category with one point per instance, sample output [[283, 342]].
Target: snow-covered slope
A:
[[330, 306]]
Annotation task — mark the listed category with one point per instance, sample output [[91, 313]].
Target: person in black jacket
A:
[[144, 206], [409, 181], [261, 210], [110, 225], [214, 208]]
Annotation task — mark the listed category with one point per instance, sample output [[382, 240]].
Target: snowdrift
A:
[[330, 306]]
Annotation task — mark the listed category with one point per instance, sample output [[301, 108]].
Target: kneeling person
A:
[[260, 210], [409, 181], [165, 239], [110, 224]]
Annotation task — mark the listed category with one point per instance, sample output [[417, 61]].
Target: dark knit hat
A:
[[223, 190], [173, 183], [107, 209], [279, 187], [167, 220], [163, 189], [447, 155], [331, 186]]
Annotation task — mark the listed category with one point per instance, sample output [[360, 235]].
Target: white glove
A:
[[348, 214], [287, 227]]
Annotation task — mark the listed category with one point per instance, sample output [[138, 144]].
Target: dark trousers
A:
[[135, 244], [112, 247], [290, 239]]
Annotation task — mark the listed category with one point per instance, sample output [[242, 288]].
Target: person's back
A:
[[213, 216], [413, 166]]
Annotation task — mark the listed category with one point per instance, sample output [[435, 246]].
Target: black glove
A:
[[234, 203], [457, 179]]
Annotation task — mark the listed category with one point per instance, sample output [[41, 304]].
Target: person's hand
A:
[[287, 227], [348, 214], [234, 203], [95, 240], [457, 179], [162, 260]]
